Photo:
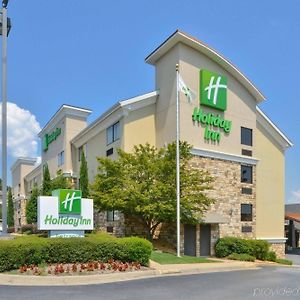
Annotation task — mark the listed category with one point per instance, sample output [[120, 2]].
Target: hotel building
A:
[[232, 139]]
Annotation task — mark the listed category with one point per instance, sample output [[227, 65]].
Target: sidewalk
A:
[[222, 266], [155, 270]]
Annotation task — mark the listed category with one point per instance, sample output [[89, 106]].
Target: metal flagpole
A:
[[4, 118], [177, 161]]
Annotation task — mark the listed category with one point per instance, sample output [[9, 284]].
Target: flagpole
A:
[[177, 161]]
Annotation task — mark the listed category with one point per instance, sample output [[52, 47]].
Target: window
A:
[[246, 212], [246, 174], [61, 158], [112, 215], [246, 228], [247, 191], [113, 133], [246, 152], [246, 136], [109, 151]]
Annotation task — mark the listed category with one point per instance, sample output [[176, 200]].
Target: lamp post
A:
[[5, 28]]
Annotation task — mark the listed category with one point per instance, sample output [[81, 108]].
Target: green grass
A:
[[168, 258], [283, 261]]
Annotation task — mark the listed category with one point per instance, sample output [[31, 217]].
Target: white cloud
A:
[[295, 197], [22, 130]]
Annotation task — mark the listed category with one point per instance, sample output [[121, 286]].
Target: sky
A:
[[91, 54]]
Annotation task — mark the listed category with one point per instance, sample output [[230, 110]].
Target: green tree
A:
[[46, 186], [31, 207], [143, 184], [10, 209], [60, 182], [84, 179]]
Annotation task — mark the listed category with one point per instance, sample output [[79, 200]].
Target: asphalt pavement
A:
[[265, 283]]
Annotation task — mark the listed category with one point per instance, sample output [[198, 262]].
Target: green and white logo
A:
[[213, 90], [69, 201], [49, 138]]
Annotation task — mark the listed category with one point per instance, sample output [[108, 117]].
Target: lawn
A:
[[168, 258]]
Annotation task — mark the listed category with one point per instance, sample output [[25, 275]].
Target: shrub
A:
[[242, 257], [284, 261], [29, 229], [228, 245], [271, 256], [96, 247], [10, 229]]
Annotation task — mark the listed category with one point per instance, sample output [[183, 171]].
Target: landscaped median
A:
[[101, 248]]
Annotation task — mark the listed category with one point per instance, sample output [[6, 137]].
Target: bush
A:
[[271, 256], [284, 261], [10, 229], [96, 247], [229, 245], [242, 257], [29, 229]]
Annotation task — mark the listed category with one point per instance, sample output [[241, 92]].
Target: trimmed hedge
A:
[[96, 247], [229, 245], [242, 257]]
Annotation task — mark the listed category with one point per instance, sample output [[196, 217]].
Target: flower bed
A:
[[95, 267]]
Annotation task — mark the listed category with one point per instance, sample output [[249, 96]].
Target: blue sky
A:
[[91, 54]]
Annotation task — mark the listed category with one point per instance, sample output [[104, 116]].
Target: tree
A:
[[31, 207], [60, 182], [46, 186], [143, 184], [84, 179], [10, 209]]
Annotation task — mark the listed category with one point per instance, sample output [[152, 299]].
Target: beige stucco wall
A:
[[18, 174], [139, 128], [70, 126], [270, 186], [32, 178], [95, 141], [241, 106], [165, 83]]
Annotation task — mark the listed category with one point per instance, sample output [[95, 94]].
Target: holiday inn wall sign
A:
[[213, 94]]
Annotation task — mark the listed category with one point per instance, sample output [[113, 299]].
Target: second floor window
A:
[[113, 133], [246, 136], [61, 158]]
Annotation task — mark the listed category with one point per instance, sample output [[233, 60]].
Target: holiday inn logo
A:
[[213, 90], [69, 201]]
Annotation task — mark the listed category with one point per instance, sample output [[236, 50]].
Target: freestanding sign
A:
[[65, 213]]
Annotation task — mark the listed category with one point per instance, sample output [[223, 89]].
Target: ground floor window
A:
[[246, 212], [112, 215]]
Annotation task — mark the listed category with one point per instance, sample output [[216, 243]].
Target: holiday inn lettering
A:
[[211, 120], [73, 221], [49, 138]]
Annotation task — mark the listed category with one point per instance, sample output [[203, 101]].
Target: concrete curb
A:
[[27, 280], [158, 271]]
